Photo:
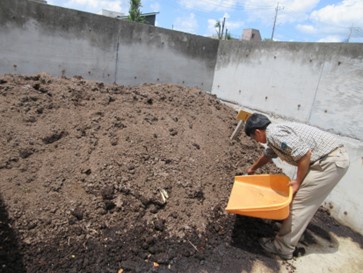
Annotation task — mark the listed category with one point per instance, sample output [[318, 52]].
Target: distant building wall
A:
[[150, 18], [251, 34], [318, 84]]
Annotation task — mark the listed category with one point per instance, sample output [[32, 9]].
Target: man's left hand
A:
[[295, 186]]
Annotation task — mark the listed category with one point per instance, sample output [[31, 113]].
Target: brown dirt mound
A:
[[84, 166]]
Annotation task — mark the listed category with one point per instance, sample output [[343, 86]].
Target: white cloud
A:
[[347, 13], [231, 24], [208, 5], [289, 11], [337, 22], [186, 24], [300, 6], [330, 39], [309, 29]]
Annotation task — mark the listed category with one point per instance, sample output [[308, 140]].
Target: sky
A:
[[283, 20]]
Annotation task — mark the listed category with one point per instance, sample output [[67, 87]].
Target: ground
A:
[[110, 178]]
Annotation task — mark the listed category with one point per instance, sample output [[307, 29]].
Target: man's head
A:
[[255, 127]]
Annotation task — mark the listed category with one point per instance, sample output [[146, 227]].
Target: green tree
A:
[[134, 12], [219, 30], [228, 35], [222, 32]]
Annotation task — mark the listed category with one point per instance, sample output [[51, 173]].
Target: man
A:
[[321, 162]]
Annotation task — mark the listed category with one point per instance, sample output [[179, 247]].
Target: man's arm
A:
[[302, 169], [263, 160]]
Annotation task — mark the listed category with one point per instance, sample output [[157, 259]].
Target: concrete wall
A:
[[62, 42], [318, 84]]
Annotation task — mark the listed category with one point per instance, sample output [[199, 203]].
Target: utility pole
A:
[[276, 13], [222, 32]]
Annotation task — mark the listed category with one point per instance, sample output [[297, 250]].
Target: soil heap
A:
[[101, 177]]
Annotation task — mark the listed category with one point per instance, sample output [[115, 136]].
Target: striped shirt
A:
[[290, 141]]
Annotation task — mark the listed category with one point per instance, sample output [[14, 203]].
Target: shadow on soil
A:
[[317, 240], [330, 225], [10, 258], [318, 237], [228, 245]]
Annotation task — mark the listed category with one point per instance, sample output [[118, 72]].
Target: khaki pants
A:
[[318, 183]]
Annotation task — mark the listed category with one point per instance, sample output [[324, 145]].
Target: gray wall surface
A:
[[318, 84], [62, 42]]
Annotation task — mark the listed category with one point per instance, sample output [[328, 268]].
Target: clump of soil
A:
[[111, 178]]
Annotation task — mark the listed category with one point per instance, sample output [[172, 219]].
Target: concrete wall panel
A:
[[339, 100], [276, 79], [345, 201], [155, 55], [42, 38], [31, 52], [318, 84]]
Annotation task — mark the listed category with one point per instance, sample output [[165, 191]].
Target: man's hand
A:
[[251, 171], [295, 186], [258, 164]]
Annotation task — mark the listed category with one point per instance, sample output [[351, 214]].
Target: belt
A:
[[331, 153], [335, 151]]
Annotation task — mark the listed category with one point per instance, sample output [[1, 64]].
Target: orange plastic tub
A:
[[265, 196]]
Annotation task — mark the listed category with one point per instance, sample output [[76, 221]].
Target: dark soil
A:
[[83, 166]]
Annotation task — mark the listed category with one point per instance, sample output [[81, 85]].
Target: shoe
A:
[[268, 245], [276, 226]]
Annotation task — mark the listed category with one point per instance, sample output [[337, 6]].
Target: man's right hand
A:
[[258, 164], [250, 171]]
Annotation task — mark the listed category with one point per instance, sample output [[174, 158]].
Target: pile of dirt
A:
[[111, 178]]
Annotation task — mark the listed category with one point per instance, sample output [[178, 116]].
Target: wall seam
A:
[[117, 50], [316, 93]]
